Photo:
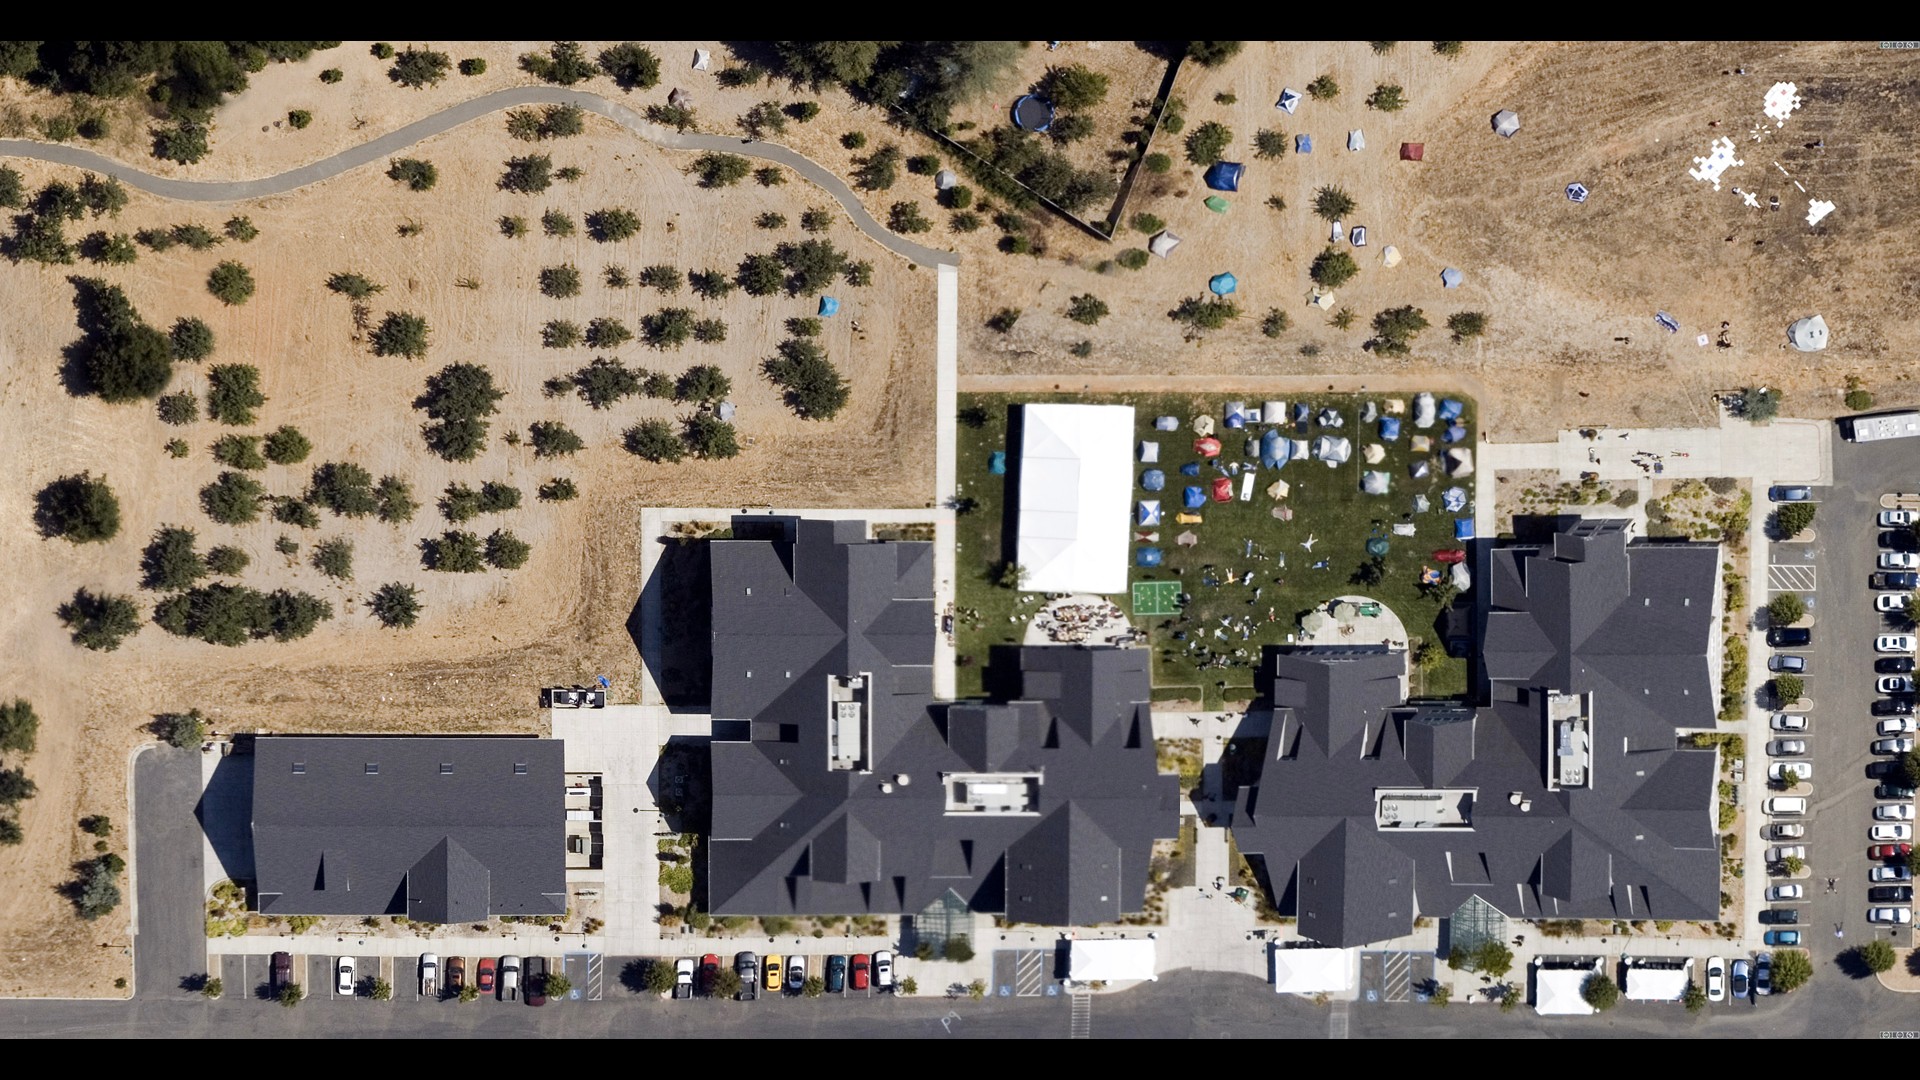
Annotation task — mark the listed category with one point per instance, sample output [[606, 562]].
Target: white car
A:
[[1786, 892], [1894, 684], [1787, 830], [1789, 721], [1893, 872], [1783, 852], [1791, 772], [883, 969], [1787, 748], [1899, 560], [429, 976], [1899, 811], [1897, 519], [1716, 979], [1888, 602], [1897, 915], [1893, 747], [1895, 643], [1890, 831], [343, 985], [1896, 725]]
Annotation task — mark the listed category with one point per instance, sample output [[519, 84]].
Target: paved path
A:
[[222, 191]]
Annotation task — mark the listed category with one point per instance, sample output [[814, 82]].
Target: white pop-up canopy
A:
[[1112, 959], [1076, 497], [1313, 971], [1557, 991]]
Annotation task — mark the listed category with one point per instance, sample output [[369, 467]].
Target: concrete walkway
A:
[[225, 191]]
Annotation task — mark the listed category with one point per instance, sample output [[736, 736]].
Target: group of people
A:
[[1078, 623]]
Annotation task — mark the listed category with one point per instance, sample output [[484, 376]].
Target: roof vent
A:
[[886, 788], [373, 768], [519, 768], [446, 768], [299, 768], [902, 779], [1526, 805]]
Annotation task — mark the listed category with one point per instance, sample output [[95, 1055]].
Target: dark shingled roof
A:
[[800, 602], [1633, 625], [439, 830]]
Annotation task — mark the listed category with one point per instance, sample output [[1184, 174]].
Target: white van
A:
[[1786, 806]]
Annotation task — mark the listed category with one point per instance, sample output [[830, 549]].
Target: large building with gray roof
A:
[[840, 786], [439, 830], [1563, 794]]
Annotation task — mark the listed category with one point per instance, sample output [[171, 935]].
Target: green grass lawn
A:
[[1327, 503]]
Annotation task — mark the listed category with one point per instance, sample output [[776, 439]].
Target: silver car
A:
[[1900, 811], [1787, 747], [1789, 721]]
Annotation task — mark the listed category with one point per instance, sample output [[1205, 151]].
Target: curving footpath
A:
[[448, 119]]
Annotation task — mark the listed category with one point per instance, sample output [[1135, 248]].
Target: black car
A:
[[1895, 581], [1789, 637], [1893, 706], [1892, 792], [1885, 770], [1781, 916], [1898, 540], [836, 974], [280, 973], [1894, 665], [536, 977], [1890, 894], [747, 966]]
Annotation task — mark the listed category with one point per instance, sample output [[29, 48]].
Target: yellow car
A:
[[771, 967]]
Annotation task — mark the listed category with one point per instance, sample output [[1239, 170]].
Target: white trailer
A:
[[1900, 425]]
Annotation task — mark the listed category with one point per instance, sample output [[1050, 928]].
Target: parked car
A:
[[773, 971], [456, 973], [343, 976], [1791, 772], [1781, 916], [1788, 663], [1890, 830], [1781, 938], [1894, 580], [1897, 519], [1890, 851], [1790, 721], [483, 975], [1886, 770], [279, 973], [1782, 852], [1789, 493], [1716, 979], [1787, 830], [509, 977], [747, 966], [1899, 560], [883, 969], [429, 975], [1740, 975], [1895, 725], [860, 972], [1890, 894], [1890, 872], [796, 974], [1763, 974], [709, 969], [1893, 665], [1889, 602], [1787, 748], [1899, 540], [1786, 806], [1893, 747], [1895, 643], [1894, 684], [683, 978], [1892, 791], [536, 981], [1899, 706], [1897, 916], [836, 974], [1786, 892], [1898, 811], [1790, 637]]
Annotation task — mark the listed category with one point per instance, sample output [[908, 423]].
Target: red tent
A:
[[1207, 447], [1223, 489], [1413, 151], [1449, 556]]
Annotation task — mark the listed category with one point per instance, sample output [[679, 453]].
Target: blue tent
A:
[[1303, 144], [1389, 428], [1193, 498], [1274, 450], [829, 307], [1450, 278], [1454, 433], [1149, 511], [1451, 409], [1147, 556], [1033, 112], [1153, 480], [1463, 528], [1225, 175], [1191, 468], [997, 463], [1223, 284]]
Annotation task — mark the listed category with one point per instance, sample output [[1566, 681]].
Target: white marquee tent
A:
[[1163, 243], [1313, 971], [1657, 983], [1809, 334], [1076, 497], [1112, 959], [1556, 992]]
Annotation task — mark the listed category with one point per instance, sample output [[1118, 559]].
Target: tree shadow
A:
[[1853, 965], [194, 983]]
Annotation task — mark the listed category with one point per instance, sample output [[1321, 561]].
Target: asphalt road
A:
[[446, 120], [170, 943]]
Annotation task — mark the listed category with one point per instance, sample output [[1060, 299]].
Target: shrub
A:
[[1333, 268], [99, 621], [291, 511], [763, 118], [394, 500], [812, 386], [1794, 518], [560, 334], [1600, 991], [79, 508], [455, 553], [1199, 314], [1387, 97], [1076, 87], [612, 225], [401, 333], [170, 560], [1467, 324], [1208, 143], [761, 275], [1132, 258], [607, 333], [1070, 128], [299, 119], [1270, 143], [715, 284], [334, 558], [222, 614], [720, 170], [631, 66], [396, 605], [1760, 404], [1087, 309], [1213, 53], [702, 384], [668, 328], [879, 170], [905, 217], [965, 221], [616, 277], [195, 237], [1333, 203], [667, 279], [287, 545], [473, 65], [605, 382], [803, 111], [419, 68], [97, 892], [344, 488], [418, 175], [771, 219], [710, 437], [558, 489], [227, 560], [557, 223], [233, 392], [332, 75], [709, 331], [560, 282], [1449, 49], [285, 445], [506, 551], [513, 227], [564, 63], [178, 448], [1158, 163], [241, 228], [239, 452], [382, 51], [1859, 400], [529, 175], [232, 498], [1395, 328], [1004, 320], [653, 440], [1275, 323], [1788, 689], [230, 283], [813, 264], [19, 731], [460, 503], [677, 117], [183, 731], [1147, 223], [114, 250], [179, 408], [354, 286], [853, 140], [185, 142]]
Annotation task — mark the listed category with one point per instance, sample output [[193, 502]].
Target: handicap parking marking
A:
[[1792, 577], [1053, 990], [1005, 990]]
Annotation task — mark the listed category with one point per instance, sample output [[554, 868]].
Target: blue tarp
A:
[[1167, 423], [1194, 497], [1223, 284], [1153, 480], [1463, 528], [1450, 278], [1225, 175], [997, 463], [829, 306], [1303, 144], [1275, 451], [1389, 428], [1451, 409], [1147, 556], [1191, 468], [1301, 412], [1454, 499], [1454, 433], [1149, 512]]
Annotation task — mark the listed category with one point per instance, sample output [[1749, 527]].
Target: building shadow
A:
[[225, 812], [680, 589]]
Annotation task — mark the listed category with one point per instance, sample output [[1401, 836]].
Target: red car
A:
[[709, 968], [1889, 851], [483, 977], [862, 964]]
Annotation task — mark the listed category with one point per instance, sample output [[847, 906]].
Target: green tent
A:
[[1216, 204]]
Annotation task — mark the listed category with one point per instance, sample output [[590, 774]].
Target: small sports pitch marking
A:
[[1156, 598]]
